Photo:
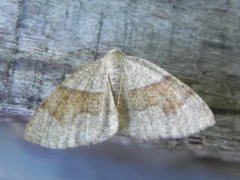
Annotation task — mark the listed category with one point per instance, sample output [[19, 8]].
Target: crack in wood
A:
[[96, 54], [19, 22]]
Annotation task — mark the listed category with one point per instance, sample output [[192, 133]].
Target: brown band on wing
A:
[[65, 101], [163, 93]]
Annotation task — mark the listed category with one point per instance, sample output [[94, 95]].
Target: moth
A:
[[117, 94]]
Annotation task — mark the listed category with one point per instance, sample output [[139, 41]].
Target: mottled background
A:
[[42, 41]]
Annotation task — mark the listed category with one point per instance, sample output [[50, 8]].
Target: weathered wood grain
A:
[[196, 41], [41, 42]]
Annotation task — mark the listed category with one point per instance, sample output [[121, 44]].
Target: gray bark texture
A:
[[42, 41]]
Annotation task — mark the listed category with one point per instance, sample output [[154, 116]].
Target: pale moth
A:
[[117, 94]]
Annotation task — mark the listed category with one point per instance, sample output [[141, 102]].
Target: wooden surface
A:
[[41, 42]]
